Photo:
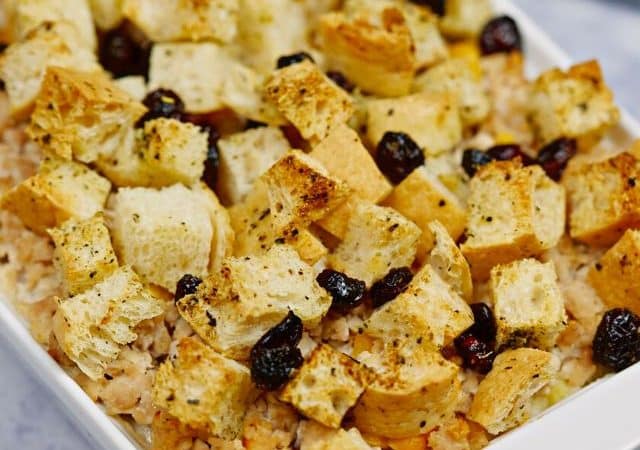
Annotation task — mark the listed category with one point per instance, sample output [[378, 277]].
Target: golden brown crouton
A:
[[314, 436], [60, 190], [223, 234], [107, 14], [134, 85], [604, 199], [465, 18], [235, 306], [504, 396], [430, 47], [168, 433], [514, 212], [83, 254], [309, 247], [203, 389]]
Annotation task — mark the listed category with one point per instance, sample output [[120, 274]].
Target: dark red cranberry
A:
[[3, 46], [616, 344], [437, 6], [346, 292], [473, 159], [476, 353], [288, 60], [500, 35], [187, 285], [393, 284], [250, 124], [506, 152], [124, 51], [162, 103], [397, 155], [211, 164], [342, 81], [484, 323], [554, 157]]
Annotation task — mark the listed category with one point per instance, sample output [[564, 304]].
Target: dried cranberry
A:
[[342, 81], [346, 292], [476, 353], [473, 159], [124, 51], [397, 155], [211, 164], [500, 35], [3, 46], [437, 6], [286, 333], [484, 323], [554, 157], [616, 344], [250, 124], [393, 284], [187, 285], [295, 58], [162, 103], [507, 152]]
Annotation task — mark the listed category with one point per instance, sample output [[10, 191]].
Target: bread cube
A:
[[465, 18], [314, 436], [23, 64], [456, 76], [167, 432], [223, 234], [430, 47], [60, 190], [604, 199], [163, 234], [203, 389], [92, 327], [134, 85], [377, 240], [83, 254], [309, 247], [431, 119], [168, 21], [574, 104], [308, 99], [235, 306], [503, 400], [107, 14], [514, 212]]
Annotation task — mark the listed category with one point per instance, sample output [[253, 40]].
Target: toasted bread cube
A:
[[449, 262], [431, 119], [82, 114], [60, 190], [614, 276], [168, 20], [456, 76], [528, 304], [223, 234], [326, 386], [314, 436], [203, 389], [377, 240], [430, 47], [429, 310], [107, 14], [134, 85], [23, 64], [574, 104], [503, 398], [244, 157], [83, 254], [515, 212], [465, 18], [238, 304], [163, 234], [93, 326], [308, 99], [168, 433], [604, 199], [309, 247]]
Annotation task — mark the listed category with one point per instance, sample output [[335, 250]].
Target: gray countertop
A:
[[30, 418]]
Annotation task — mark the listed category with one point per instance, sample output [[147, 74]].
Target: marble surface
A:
[[31, 419]]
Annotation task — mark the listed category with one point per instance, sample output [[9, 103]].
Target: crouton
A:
[[308, 99], [203, 389], [134, 85], [185, 20], [60, 190], [23, 64], [83, 253], [377, 240], [246, 156], [314, 436], [431, 119], [168, 433], [82, 114], [163, 234], [430, 47], [503, 398], [465, 18], [326, 386], [456, 76], [614, 276], [514, 212], [528, 304], [574, 104], [309, 247], [107, 14], [223, 234], [92, 327], [429, 311], [604, 199], [238, 304]]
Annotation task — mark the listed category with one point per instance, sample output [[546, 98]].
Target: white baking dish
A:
[[600, 417]]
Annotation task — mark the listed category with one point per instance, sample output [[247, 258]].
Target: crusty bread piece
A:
[[604, 199], [528, 304], [223, 234], [238, 304], [574, 104], [82, 114], [60, 190], [614, 276], [308, 99], [163, 234], [465, 18], [107, 14], [430, 118], [326, 386], [514, 212], [377, 240], [83, 253], [430, 47], [23, 64], [314, 436], [168, 433], [203, 389], [134, 85], [503, 398], [92, 327], [309, 247]]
